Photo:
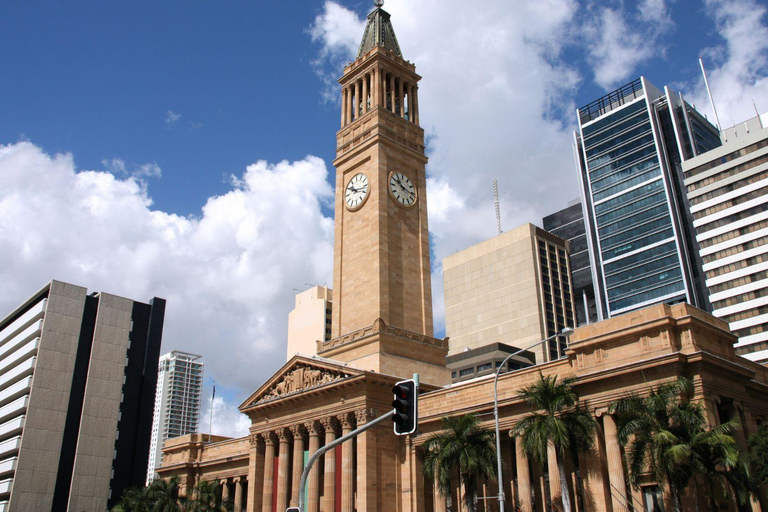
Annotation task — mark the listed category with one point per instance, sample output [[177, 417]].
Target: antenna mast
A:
[[496, 202], [709, 92]]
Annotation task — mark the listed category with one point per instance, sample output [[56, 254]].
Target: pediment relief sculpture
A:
[[301, 378]]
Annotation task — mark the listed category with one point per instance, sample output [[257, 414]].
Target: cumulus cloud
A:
[[736, 67], [227, 273], [338, 30], [618, 41], [225, 421]]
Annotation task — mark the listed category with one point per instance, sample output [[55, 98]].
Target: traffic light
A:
[[406, 407]]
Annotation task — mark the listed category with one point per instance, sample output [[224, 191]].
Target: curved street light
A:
[[567, 331]]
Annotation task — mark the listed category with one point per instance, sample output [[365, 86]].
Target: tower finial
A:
[[378, 3]]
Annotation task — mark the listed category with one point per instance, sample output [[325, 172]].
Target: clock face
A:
[[402, 189], [357, 191]]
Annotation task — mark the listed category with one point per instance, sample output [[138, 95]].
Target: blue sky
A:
[[184, 149]]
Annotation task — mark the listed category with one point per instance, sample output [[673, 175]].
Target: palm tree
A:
[[560, 421], [164, 495], [207, 497], [465, 445], [666, 434], [134, 499]]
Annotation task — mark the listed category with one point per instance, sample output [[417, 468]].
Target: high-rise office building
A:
[[77, 383], [310, 321], [630, 146], [513, 289], [568, 224], [177, 402], [728, 192]]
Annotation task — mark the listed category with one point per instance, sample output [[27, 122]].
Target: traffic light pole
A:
[[333, 444]]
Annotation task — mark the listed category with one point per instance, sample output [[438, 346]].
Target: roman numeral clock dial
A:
[[356, 192], [402, 189]]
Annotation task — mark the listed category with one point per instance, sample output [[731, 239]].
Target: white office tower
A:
[[177, 402], [728, 191]]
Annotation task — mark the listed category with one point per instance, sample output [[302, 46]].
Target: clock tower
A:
[[382, 304]]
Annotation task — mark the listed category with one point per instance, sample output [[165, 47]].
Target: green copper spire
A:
[[379, 32]]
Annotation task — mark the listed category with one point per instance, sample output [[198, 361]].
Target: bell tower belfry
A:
[[382, 307]]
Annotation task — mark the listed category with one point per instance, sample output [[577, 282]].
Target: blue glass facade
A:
[[630, 144]]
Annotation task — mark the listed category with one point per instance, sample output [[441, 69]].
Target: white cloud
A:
[[226, 419], [736, 68], [227, 274], [119, 167], [171, 117], [339, 31], [618, 41]]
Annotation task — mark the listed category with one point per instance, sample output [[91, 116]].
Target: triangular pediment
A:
[[299, 375]]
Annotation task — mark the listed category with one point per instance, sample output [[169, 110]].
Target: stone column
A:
[[710, 410], [283, 468], [392, 92], [411, 88], [416, 104], [224, 489], [507, 481], [357, 100], [593, 463], [349, 104], [523, 477], [298, 462], [437, 498], [269, 473], [313, 481], [367, 470], [347, 465], [329, 492], [255, 472], [555, 490], [365, 93], [615, 467], [238, 495], [400, 92], [343, 106]]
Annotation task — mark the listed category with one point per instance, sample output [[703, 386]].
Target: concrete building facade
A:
[[629, 149], [514, 288], [177, 402], [728, 191], [77, 384], [310, 321]]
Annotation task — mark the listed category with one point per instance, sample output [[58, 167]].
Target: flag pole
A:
[[210, 422]]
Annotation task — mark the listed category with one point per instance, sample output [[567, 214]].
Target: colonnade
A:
[[277, 460], [234, 489], [378, 87], [603, 478]]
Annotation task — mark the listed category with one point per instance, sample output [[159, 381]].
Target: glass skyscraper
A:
[[629, 147]]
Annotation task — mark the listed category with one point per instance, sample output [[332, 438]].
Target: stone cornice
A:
[[378, 327]]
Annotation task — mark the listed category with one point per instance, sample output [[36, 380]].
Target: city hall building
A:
[[382, 332]]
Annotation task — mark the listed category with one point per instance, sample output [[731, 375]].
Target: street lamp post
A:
[[565, 332]]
